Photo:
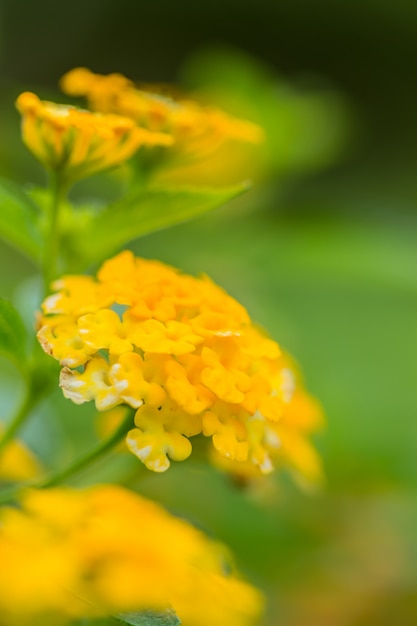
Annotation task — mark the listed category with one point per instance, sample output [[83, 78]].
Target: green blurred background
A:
[[322, 251]]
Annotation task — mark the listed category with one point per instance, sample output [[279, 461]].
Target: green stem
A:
[[99, 451], [36, 387], [51, 251], [17, 421]]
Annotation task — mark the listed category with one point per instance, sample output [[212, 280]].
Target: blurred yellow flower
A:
[[17, 462], [197, 130], [186, 356], [69, 554], [77, 143]]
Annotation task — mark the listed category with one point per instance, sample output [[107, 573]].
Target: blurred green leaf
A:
[[146, 211], [150, 618], [142, 618], [306, 126], [12, 332], [18, 220]]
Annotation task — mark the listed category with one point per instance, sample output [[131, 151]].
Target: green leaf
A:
[[19, 220], [12, 333], [146, 211], [306, 128], [150, 618], [143, 618]]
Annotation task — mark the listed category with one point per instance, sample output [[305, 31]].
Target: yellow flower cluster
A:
[[69, 554], [197, 130], [185, 355], [78, 143]]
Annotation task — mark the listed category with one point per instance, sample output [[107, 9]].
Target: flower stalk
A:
[[58, 190], [92, 456], [104, 447], [14, 425]]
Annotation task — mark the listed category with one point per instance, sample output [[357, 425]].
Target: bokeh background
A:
[[322, 251]]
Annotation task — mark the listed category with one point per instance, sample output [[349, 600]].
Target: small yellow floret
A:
[[77, 143], [186, 356], [68, 555], [101, 89]]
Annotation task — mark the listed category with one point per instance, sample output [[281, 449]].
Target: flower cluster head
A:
[[196, 130], [78, 143], [68, 554], [187, 357]]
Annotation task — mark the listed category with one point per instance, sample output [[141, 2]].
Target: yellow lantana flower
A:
[[103, 551], [182, 353], [78, 143], [197, 130]]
